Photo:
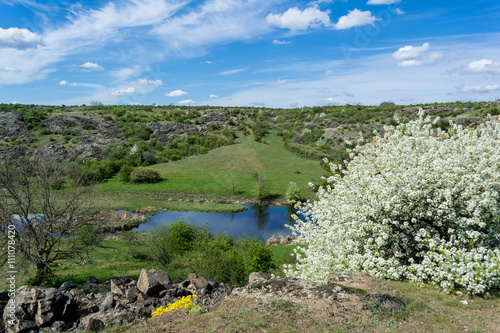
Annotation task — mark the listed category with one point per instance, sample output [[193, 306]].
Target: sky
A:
[[272, 53]]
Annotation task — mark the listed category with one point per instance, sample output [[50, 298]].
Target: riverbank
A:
[[137, 201]]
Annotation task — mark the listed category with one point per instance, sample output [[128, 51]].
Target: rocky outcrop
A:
[[168, 131], [63, 124], [93, 306], [54, 153], [11, 125]]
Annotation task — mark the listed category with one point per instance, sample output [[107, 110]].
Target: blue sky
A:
[[272, 53]]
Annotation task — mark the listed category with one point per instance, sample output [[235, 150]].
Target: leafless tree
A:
[[44, 203]]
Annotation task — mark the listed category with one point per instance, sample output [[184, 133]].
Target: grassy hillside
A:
[[210, 173]]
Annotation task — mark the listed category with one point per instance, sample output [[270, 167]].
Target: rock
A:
[[50, 307], [25, 138], [68, 285], [57, 326], [107, 304], [11, 124], [92, 280], [257, 276], [152, 282], [116, 287], [131, 294], [91, 323]]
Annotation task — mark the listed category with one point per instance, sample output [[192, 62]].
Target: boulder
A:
[[152, 282], [131, 294], [116, 287], [68, 285], [92, 280], [257, 276], [107, 304]]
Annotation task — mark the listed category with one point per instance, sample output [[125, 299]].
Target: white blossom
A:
[[417, 204]]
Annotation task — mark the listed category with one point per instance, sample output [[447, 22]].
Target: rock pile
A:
[[94, 306]]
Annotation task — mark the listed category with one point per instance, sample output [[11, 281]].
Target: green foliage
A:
[[261, 186], [306, 151], [184, 248], [293, 193], [88, 235], [124, 173], [34, 118], [168, 242], [144, 175], [137, 131], [45, 278]]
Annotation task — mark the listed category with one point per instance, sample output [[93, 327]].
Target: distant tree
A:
[[261, 186], [387, 103], [233, 183]]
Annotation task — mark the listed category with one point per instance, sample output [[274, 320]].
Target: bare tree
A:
[[44, 203]]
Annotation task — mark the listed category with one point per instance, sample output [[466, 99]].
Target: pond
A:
[[261, 221]]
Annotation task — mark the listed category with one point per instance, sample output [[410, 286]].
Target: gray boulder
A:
[[152, 282]]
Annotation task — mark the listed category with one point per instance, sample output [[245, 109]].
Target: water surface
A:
[[261, 221]]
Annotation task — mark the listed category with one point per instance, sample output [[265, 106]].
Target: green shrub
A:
[[168, 242], [144, 175], [124, 173]]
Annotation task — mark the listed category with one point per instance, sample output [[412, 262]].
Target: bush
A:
[[293, 193], [124, 173], [143, 175], [419, 204], [184, 248]]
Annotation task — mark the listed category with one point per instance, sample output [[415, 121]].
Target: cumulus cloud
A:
[[91, 66], [330, 101], [21, 39], [410, 52], [328, 72], [74, 84], [382, 2], [9, 69], [279, 42], [479, 87], [410, 56], [213, 96], [398, 11], [233, 71], [186, 101], [296, 19], [176, 93], [355, 18], [484, 66]]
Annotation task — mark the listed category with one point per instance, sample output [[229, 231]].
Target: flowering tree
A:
[[417, 204]]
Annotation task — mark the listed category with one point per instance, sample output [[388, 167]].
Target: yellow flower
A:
[[186, 302]]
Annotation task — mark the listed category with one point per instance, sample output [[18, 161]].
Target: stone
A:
[[131, 294], [92, 280], [116, 287], [152, 282], [68, 285], [107, 304], [90, 323], [257, 276]]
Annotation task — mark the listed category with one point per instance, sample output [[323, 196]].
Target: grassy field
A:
[[210, 173]]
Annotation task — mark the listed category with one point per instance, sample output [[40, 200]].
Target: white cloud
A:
[[66, 83], [382, 2], [484, 66], [74, 84], [278, 82], [479, 87], [279, 42], [123, 91], [329, 72], [355, 18], [410, 56], [410, 63], [176, 93], [9, 69], [233, 71], [145, 82], [21, 39], [330, 101], [91, 66], [208, 62], [15, 102], [295, 19], [398, 11], [410, 52], [186, 101], [213, 96]]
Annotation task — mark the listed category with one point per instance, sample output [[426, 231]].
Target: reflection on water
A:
[[261, 221]]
